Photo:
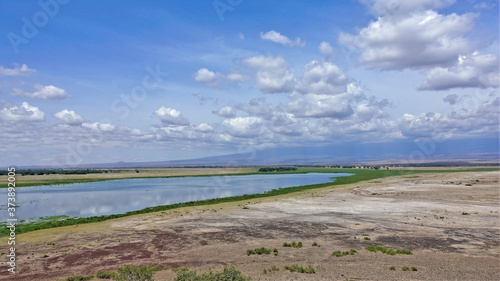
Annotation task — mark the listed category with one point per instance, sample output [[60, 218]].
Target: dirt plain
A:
[[449, 221]]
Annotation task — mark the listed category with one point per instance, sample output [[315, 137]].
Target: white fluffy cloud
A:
[[318, 106], [272, 75], [18, 70], [404, 7], [323, 78], [208, 77], [277, 37], [100, 127], [476, 71], [417, 40], [326, 50], [466, 121], [226, 112], [243, 127], [171, 117], [25, 112], [69, 117], [43, 92]]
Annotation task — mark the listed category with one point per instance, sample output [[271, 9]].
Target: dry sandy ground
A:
[[449, 221]]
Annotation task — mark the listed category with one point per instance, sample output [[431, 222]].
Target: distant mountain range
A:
[[403, 152]]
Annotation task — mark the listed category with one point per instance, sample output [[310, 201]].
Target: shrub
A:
[[106, 274], [413, 268], [229, 273], [405, 268], [261, 251], [367, 238], [345, 253], [388, 251], [392, 267], [136, 273], [270, 270], [315, 244], [293, 244], [300, 269]]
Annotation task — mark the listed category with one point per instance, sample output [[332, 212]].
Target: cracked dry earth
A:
[[449, 221]]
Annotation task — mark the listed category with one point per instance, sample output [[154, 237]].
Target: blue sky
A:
[[106, 81]]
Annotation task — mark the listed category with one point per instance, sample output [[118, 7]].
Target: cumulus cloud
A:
[[18, 70], [318, 106], [451, 99], [203, 128], [226, 112], [25, 112], [43, 92], [243, 127], [69, 117], [417, 40], [323, 78], [208, 77], [475, 71], [101, 127], [272, 75], [404, 7], [170, 116], [326, 50], [257, 107], [277, 37], [466, 121]]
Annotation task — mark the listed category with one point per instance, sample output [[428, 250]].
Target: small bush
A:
[[300, 269], [136, 273], [293, 244], [405, 268], [315, 244], [270, 270], [260, 251], [228, 273], [106, 274], [275, 251], [465, 213], [388, 251], [79, 278], [413, 268], [392, 267], [345, 253], [367, 238]]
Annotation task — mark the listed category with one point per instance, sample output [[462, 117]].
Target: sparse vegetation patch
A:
[[388, 251]]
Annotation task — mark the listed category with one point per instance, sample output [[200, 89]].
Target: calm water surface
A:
[[121, 196]]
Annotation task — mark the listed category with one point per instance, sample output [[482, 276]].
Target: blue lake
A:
[[121, 196]]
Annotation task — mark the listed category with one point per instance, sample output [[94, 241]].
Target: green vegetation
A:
[[293, 244], [277, 169], [367, 238], [270, 270], [140, 273], [342, 254], [413, 268], [300, 269], [392, 267], [465, 213], [358, 176], [315, 244], [405, 268], [106, 274], [229, 273], [79, 278], [388, 251], [262, 251]]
